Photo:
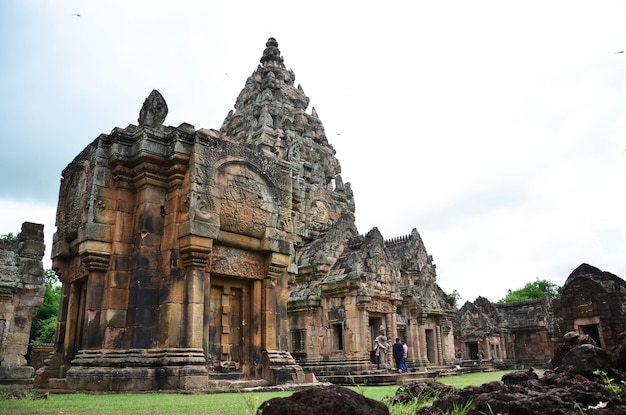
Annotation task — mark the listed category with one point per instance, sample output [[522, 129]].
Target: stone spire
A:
[[271, 54], [270, 117]]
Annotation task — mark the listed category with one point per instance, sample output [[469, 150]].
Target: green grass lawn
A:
[[187, 404]]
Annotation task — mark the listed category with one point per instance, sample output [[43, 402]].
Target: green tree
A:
[[532, 290], [45, 322], [9, 236], [455, 297]]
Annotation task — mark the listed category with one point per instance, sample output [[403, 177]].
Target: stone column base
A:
[[16, 373], [279, 367]]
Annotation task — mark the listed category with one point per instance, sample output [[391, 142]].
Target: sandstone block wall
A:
[[527, 328], [22, 287]]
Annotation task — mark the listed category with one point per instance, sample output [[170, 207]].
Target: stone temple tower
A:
[[175, 245], [187, 255]]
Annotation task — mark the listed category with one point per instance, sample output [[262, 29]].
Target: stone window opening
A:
[[298, 338]]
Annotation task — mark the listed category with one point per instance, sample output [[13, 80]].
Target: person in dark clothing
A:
[[398, 354]]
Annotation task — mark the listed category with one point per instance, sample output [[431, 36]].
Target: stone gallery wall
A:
[[528, 331], [22, 286], [518, 333]]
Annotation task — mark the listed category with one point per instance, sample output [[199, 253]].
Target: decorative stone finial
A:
[[154, 110], [271, 53]]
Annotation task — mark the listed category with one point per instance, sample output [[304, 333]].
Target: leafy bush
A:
[[45, 322]]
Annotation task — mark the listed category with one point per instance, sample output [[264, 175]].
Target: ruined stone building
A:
[[519, 333], [188, 253], [349, 287], [592, 302], [22, 287]]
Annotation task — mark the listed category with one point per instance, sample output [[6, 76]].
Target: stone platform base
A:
[[23, 373], [280, 367], [138, 370]]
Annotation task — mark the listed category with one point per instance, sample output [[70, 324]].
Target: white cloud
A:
[[15, 213], [496, 129]]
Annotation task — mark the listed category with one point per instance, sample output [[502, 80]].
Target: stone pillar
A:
[[367, 343], [412, 341], [421, 341], [195, 308], [391, 339], [439, 342], [189, 293], [256, 329], [275, 329], [93, 330], [449, 350], [277, 365], [268, 315]]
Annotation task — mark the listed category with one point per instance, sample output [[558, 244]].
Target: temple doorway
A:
[[591, 327], [229, 311], [592, 331], [374, 326], [430, 346], [473, 350]]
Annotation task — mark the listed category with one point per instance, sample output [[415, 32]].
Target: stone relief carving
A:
[[377, 306], [319, 215], [265, 119], [102, 214], [69, 219], [231, 261], [294, 152], [241, 208], [198, 205]]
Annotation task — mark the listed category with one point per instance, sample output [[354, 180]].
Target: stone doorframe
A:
[[582, 326]]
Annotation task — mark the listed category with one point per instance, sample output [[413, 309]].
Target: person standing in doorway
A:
[[377, 353], [398, 354]]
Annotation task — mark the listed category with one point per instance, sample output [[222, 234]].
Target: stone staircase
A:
[[360, 373], [374, 378]]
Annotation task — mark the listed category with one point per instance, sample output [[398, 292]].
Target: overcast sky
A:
[[497, 129]]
